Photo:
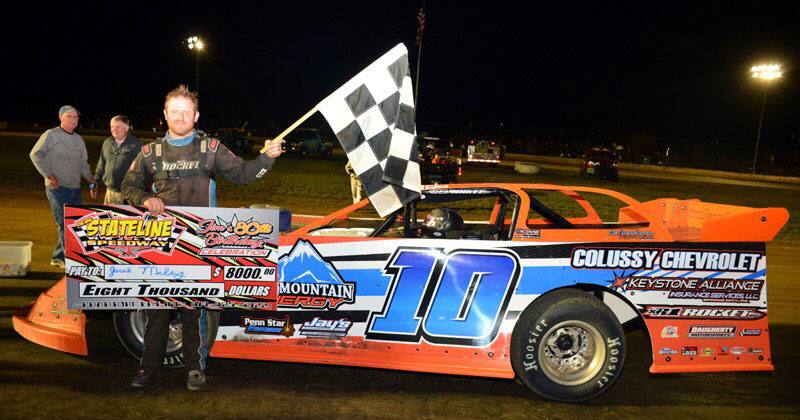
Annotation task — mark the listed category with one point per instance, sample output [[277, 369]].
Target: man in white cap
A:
[[60, 156]]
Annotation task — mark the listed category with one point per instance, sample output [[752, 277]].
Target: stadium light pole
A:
[[196, 44], [766, 73]]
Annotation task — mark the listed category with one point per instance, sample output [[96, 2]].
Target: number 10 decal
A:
[[458, 298]]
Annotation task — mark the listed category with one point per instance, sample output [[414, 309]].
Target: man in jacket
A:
[[116, 157], [60, 156], [179, 170]]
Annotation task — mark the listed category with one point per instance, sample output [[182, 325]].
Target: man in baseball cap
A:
[[68, 108], [60, 156]]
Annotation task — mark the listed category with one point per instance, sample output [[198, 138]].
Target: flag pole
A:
[[280, 136], [420, 28], [416, 82]]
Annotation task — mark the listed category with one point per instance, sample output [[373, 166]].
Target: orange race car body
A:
[[400, 293]]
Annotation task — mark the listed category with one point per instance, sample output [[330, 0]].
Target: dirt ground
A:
[[36, 382]]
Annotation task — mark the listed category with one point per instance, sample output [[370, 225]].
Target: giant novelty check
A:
[[121, 257]]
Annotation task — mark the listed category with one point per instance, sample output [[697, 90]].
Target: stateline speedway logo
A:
[[235, 238], [126, 236]]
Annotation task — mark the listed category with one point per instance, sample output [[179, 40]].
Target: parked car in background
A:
[[235, 139], [306, 141], [600, 163], [440, 160], [484, 151]]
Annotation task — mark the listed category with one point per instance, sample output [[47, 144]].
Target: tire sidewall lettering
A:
[[610, 368]]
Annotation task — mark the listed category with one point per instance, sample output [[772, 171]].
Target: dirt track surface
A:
[[36, 382]]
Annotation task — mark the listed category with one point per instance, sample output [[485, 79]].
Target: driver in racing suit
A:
[[179, 170]]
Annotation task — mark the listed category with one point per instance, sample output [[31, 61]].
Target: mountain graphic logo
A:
[[306, 280]]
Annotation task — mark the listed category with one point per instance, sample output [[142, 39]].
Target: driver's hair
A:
[[182, 92]]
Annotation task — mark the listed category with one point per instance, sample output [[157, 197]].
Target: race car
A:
[[496, 280]]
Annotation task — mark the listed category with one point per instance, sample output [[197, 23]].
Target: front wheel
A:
[[130, 331], [568, 346]]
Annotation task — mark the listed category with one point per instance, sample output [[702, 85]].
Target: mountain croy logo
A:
[[306, 280], [126, 236]]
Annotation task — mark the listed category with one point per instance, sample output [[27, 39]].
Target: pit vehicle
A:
[[484, 152], [440, 161], [504, 281], [600, 163], [234, 139], [306, 141]]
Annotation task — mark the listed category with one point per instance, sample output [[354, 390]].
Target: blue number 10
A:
[[458, 298]]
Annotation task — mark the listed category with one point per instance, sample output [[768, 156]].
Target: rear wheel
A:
[[130, 330], [568, 346]]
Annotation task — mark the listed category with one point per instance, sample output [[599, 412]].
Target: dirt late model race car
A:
[[496, 280]]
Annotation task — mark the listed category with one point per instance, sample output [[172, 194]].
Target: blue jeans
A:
[[58, 198]]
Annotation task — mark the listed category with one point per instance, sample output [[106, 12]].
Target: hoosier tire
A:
[[568, 346], [129, 326]]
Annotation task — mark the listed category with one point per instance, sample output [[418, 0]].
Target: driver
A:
[[442, 220]]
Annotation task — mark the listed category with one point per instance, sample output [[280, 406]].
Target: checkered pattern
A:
[[83, 238], [177, 231], [373, 118]]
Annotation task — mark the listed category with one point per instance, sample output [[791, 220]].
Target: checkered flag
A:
[[373, 118]]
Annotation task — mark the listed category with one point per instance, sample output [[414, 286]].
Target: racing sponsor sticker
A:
[[711, 331], [633, 235], [667, 259], [689, 351], [667, 351], [527, 233], [707, 290], [755, 350], [318, 327], [749, 332], [706, 352], [613, 258], [669, 332], [702, 312], [738, 350], [268, 326], [306, 280]]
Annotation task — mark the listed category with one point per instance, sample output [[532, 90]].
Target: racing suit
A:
[[183, 175]]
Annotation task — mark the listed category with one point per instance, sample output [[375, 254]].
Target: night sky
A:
[[673, 70]]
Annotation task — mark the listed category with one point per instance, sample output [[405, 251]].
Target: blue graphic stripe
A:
[[755, 275], [652, 272], [538, 280], [369, 282], [534, 280]]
